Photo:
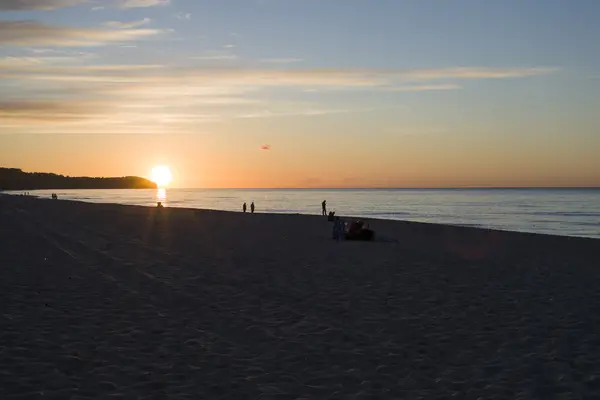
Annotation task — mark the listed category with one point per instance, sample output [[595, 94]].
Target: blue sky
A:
[[362, 33], [488, 80]]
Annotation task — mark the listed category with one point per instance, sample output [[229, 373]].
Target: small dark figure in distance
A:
[[324, 207], [331, 216], [252, 207], [159, 204], [244, 207]]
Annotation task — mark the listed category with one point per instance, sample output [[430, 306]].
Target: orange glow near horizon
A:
[[224, 159]]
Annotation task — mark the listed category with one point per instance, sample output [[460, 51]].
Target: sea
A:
[[567, 212]]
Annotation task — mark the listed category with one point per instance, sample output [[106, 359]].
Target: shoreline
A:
[[345, 217]]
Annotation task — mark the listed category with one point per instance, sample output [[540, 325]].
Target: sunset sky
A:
[[304, 93]]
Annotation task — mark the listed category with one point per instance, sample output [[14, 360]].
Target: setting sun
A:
[[161, 175]]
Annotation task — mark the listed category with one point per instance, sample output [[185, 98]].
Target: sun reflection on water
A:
[[161, 196]]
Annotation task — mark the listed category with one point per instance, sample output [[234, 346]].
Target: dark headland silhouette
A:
[[16, 179]]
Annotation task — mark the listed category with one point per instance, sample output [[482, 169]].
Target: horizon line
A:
[[389, 188]]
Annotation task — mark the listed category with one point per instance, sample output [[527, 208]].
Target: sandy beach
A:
[[109, 301]]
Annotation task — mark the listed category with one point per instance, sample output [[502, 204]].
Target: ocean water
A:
[[569, 212]]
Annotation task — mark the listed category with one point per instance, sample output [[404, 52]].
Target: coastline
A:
[[388, 224], [567, 213], [103, 299]]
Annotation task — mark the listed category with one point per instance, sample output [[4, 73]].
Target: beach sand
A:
[[109, 301]]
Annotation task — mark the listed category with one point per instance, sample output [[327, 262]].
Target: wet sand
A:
[[109, 301]]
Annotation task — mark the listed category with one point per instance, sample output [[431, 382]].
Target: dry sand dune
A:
[[101, 300]]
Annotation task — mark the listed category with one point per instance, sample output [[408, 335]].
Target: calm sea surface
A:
[[570, 212]]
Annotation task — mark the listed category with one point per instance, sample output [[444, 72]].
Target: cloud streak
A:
[[215, 56], [475, 73], [386, 79], [47, 111], [42, 63], [155, 81], [148, 79], [117, 97], [37, 5], [63, 116], [142, 3], [281, 60], [425, 88], [127, 25], [32, 33]]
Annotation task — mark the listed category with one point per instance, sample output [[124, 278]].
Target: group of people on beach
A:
[[54, 196], [244, 207], [355, 230]]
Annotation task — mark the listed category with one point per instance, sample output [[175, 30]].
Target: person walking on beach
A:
[[252, 207], [324, 207], [244, 207]]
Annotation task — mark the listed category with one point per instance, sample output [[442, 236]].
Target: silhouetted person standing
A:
[[252, 207], [324, 207], [244, 207]]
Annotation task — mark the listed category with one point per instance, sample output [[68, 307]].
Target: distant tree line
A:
[[16, 179]]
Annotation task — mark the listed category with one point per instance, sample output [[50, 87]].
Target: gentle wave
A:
[[597, 224], [385, 213], [567, 214], [540, 211]]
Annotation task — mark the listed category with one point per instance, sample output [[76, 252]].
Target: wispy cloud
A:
[[389, 79], [42, 63], [105, 4], [232, 76], [215, 56], [424, 88], [296, 111], [18, 62], [117, 98], [25, 5], [281, 60], [475, 73], [127, 24], [47, 111], [61, 53], [110, 116], [141, 3], [32, 33]]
